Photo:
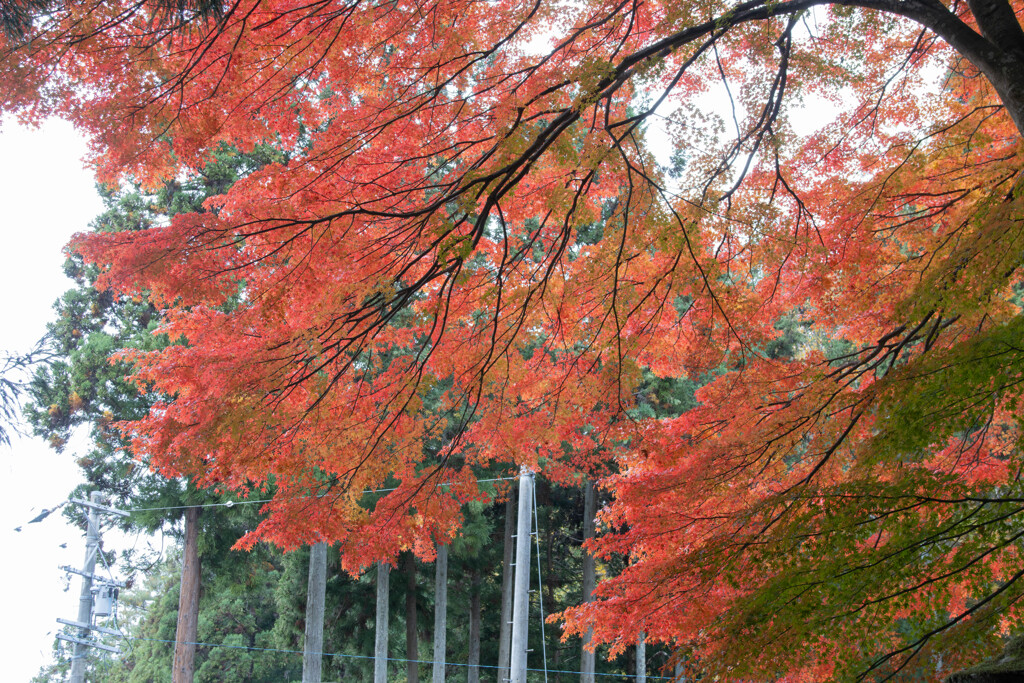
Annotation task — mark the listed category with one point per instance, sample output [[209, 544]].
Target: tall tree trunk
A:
[[316, 591], [440, 612], [183, 668], [380, 645], [505, 630], [589, 578], [473, 676], [412, 640], [549, 591]]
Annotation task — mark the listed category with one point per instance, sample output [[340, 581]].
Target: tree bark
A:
[[473, 675], [380, 645], [316, 591], [505, 630], [589, 579], [440, 612], [183, 668], [412, 640], [549, 591]]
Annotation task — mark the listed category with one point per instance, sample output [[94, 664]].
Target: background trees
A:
[[470, 257]]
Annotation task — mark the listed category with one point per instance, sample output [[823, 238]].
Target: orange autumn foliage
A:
[[475, 255]]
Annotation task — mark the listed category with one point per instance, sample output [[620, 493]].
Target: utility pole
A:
[[641, 658], [587, 656], [92, 542], [440, 613], [380, 645], [521, 597], [316, 591], [85, 600]]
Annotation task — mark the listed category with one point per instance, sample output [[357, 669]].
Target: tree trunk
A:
[[473, 676], [183, 668], [380, 646], [549, 591], [316, 591], [589, 578], [440, 612], [998, 52], [412, 641], [505, 630]]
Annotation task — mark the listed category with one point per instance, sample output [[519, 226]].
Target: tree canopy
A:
[[475, 253]]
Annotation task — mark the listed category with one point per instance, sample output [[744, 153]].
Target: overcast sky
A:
[[46, 195]]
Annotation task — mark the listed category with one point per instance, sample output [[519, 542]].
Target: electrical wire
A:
[[232, 503], [117, 627], [540, 595]]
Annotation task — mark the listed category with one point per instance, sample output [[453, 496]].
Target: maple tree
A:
[[471, 257]]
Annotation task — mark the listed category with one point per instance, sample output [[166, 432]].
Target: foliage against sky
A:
[[469, 257]]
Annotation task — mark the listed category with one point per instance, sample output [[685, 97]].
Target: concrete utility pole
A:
[[641, 658], [92, 542], [440, 612], [380, 648], [521, 596], [587, 656], [316, 593]]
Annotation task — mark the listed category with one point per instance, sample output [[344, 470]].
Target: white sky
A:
[[46, 195]]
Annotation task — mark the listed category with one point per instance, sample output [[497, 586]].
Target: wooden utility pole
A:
[[316, 593], [412, 641], [183, 668], [589, 579], [440, 612], [92, 542], [521, 596], [380, 647], [505, 632]]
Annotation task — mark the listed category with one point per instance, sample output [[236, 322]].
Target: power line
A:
[[535, 534], [232, 503], [117, 627]]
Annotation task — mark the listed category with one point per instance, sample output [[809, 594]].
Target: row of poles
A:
[[520, 602], [313, 649], [312, 657]]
